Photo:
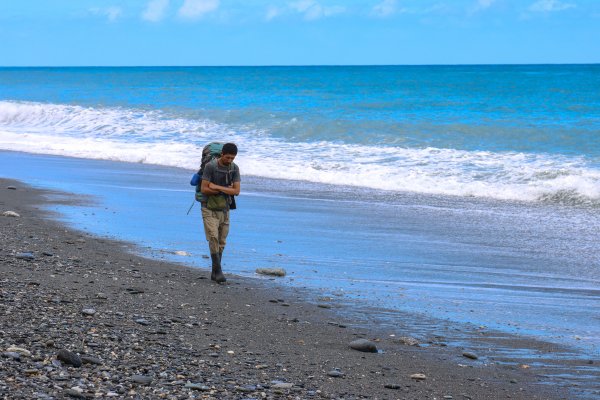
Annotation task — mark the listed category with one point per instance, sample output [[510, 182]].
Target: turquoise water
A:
[[469, 194], [525, 133]]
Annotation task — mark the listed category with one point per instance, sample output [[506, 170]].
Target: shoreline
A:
[[257, 339]]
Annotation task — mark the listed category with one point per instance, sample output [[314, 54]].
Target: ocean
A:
[[463, 194]]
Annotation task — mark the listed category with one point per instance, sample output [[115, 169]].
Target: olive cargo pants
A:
[[216, 229]]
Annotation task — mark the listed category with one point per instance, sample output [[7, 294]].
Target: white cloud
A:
[[385, 8], [197, 8], [155, 10], [480, 5], [312, 10], [484, 4], [272, 12], [549, 6], [112, 13]]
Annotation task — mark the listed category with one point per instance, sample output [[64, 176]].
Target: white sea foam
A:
[[154, 137]]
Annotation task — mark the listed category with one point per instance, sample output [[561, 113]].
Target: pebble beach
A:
[[85, 317]]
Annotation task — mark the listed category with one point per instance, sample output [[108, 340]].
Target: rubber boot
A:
[[216, 274]]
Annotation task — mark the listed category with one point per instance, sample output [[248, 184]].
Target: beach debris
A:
[[418, 377], [182, 253], [10, 214], [470, 355], [271, 271], [25, 256], [364, 345], [69, 358]]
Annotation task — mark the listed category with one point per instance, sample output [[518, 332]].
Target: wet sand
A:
[[152, 329]]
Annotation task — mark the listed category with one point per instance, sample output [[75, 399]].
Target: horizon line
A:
[[296, 65]]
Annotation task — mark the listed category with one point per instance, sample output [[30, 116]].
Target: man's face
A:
[[227, 159]]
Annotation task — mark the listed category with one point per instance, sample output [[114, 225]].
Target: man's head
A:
[[228, 153]]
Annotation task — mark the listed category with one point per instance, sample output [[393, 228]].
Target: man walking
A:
[[220, 182]]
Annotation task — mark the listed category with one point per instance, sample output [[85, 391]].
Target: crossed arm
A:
[[210, 189]]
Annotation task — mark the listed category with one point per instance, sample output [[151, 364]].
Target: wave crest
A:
[[157, 138]]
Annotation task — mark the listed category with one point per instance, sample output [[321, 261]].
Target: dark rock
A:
[[69, 358], [132, 290], [47, 254], [472, 356], [141, 379], [394, 386], [364, 345], [11, 188]]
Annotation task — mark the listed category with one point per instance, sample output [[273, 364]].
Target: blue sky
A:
[[297, 32]]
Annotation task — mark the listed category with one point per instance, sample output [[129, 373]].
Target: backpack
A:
[[209, 153]]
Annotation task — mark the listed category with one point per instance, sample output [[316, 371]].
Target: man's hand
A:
[[232, 190]]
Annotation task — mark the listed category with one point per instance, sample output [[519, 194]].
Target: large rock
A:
[[69, 358], [364, 345], [142, 379], [271, 271]]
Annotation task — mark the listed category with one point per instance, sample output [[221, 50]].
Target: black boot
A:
[[217, 274]]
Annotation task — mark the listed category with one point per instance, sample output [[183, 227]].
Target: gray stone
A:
[[11, 188], [364, 345], [394, 386], [12, 354], [74, 393], [88, 311], [10, 214], [470, 355], [91, 360], [141, 379], [142, 321], [69, 358], [283, 385], [196, 386], [335, 373], [25, 256]]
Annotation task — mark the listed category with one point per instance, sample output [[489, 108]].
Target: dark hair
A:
[[229, 148]]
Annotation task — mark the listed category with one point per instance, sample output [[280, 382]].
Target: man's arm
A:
[[205, 188], [233, 190]]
